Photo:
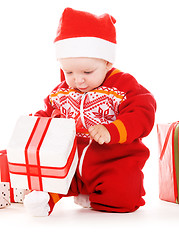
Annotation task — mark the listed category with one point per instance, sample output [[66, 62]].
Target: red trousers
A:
[[111, 175]]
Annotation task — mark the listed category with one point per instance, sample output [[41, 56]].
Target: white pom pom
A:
[[36, 203]]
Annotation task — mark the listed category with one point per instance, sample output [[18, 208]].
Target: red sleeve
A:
[[136, 113]]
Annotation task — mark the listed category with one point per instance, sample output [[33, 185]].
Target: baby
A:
[[112, 111]]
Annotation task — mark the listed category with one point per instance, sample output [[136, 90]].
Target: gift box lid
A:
[[58, 140]]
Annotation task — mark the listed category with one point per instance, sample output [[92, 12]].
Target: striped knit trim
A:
[[64, 91], [107, 92], [122, 130], [115, 71]]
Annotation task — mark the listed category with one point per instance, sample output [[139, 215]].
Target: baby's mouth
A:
[[82, 89]]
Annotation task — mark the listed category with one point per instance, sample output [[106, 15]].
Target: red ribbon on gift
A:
[[4, 172], [32, 167]]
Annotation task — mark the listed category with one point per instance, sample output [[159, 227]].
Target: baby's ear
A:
[[109, 65]]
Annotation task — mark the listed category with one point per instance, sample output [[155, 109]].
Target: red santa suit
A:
[[111, 174]]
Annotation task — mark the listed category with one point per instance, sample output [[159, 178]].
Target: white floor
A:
[[156, 218]]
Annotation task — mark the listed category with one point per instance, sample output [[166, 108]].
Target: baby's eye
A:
[[88, 72], [68, 73]]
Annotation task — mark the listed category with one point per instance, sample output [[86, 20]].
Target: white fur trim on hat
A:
[[91, 47]]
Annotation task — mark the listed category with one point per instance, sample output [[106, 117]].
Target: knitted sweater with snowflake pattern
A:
[[121, 104]]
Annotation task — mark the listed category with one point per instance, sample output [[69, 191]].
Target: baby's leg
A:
[[120, 189], [40, 204]]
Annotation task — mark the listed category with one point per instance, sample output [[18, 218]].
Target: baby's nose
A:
[[79, 79]]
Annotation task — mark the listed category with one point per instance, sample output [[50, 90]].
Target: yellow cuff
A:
[[122, 130]]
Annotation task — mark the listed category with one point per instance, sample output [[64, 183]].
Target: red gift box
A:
[[16, 195], [4, 172], [168, 141]]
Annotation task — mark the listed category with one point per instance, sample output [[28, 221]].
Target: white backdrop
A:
[[148, 37]]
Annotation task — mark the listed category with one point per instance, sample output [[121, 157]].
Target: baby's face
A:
[[84, 74]]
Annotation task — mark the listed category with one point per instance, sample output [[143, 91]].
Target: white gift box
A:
[[42, 154], [4, 194], [19, 194]]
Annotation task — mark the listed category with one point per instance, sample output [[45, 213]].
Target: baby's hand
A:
[[99, 133]]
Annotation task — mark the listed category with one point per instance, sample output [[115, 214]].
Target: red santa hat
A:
[[82, 34]]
